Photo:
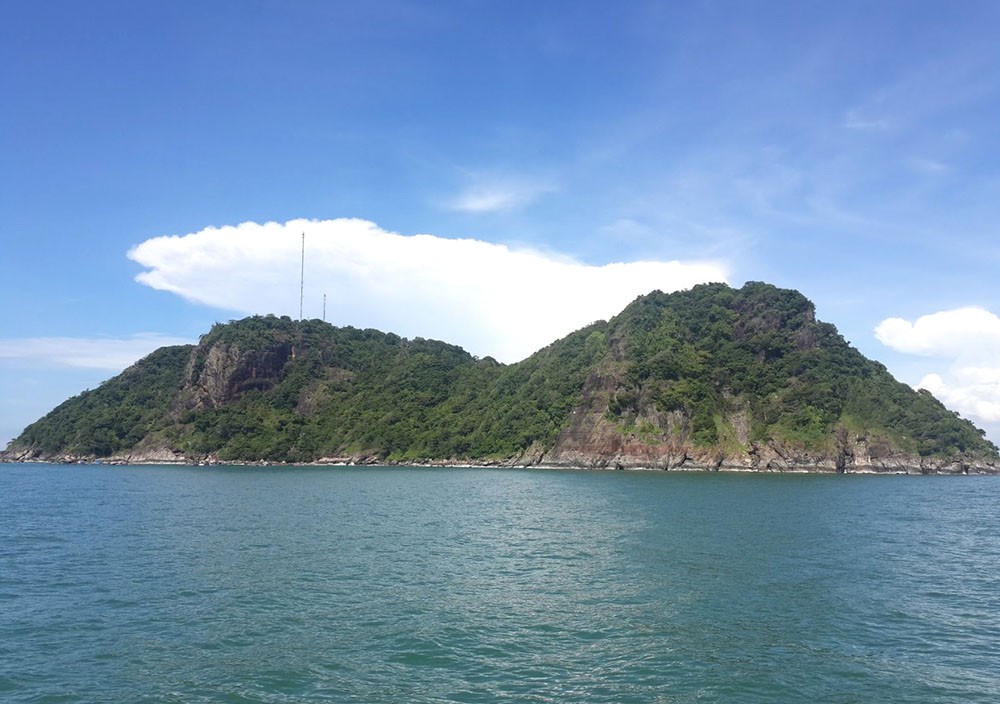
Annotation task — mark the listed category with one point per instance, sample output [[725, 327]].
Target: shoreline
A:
[[952, 469]]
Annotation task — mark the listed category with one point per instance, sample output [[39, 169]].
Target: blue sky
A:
[[494, 174]]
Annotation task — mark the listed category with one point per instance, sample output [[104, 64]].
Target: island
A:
[[712, 378]]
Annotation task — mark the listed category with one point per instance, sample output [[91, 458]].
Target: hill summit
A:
[[709, 378]]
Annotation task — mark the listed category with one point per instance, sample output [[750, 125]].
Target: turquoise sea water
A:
[[168, 584]]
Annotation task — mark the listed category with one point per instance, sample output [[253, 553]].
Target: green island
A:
[[712, 378]]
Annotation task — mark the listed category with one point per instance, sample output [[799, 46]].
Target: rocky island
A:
[[713, 378]]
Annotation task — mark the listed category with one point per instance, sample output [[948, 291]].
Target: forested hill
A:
[[711, 378]]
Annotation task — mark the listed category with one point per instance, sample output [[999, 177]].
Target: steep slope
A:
[[716, 377], [708, 378], [111, 418]]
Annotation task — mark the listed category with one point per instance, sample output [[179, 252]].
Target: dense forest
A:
[[712, 369]]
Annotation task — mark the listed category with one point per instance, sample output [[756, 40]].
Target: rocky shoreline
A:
[[680, 462]]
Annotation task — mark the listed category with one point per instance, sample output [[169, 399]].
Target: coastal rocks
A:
[[591, 440], [158, 455], [20, 454]]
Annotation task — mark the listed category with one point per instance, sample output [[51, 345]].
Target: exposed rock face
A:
[[224, 372], [18, 454], [153, 455], [591, 441], [663, 441]]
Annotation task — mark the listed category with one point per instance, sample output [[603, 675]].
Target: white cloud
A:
[[973, 391], [629, 229], [961, 332], [931, 167], [497, 194], [112, 354], [967, 343], [489, 298], [857, 121]]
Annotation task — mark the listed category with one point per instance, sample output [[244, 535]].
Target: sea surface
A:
[[181, 584]]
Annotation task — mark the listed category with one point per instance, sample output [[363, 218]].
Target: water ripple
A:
[[384, 585]]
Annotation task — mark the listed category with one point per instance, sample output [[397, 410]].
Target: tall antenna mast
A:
[[324, 307], [302, 276]]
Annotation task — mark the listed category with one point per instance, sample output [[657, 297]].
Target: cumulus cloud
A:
[[973, 391], [966, 341], [954, 333], [113, 354], [489, 298]]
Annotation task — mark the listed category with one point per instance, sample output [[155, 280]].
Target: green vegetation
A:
[[713, 349], [686, 367], [116, 415]]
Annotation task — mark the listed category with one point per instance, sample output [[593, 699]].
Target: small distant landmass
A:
[[713, 378]]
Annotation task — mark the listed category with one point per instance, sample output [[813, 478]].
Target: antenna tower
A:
[[302, 276]]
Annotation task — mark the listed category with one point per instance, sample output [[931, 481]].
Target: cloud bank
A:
[[969, 340], [489, 298], [112, 354]]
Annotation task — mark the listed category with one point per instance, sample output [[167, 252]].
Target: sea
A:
[[305, 584]]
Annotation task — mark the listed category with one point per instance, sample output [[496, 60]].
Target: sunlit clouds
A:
[[953, 333], [967, 343], [489, 298]]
